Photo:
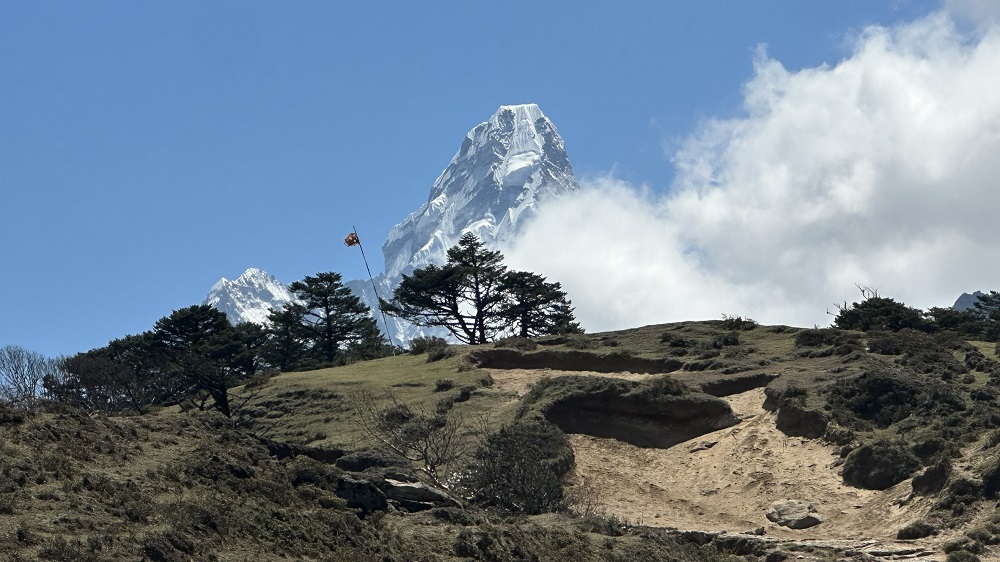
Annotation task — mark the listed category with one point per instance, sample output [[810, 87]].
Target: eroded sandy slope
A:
[[726, 480]]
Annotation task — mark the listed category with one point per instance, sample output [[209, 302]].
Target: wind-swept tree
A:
[[127, 374], [877, 313], [477, 299], [207, 353], [286, 347], [536, 307], [465, 295]]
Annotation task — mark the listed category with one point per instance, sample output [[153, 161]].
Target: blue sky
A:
[[148, 149]]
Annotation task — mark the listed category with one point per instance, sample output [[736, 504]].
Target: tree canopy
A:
[[329, 319], [477, 299]]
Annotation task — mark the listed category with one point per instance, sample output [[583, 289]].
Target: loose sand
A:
[[726, 480]]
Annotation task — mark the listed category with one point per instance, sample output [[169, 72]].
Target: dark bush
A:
[[960, 493], [738, 323], [520, 468], [442, 385], [816, 337], [524, 344], [439, 353], [916, 530], [732, 338], [425, 344], [990, 471], [879, 465]]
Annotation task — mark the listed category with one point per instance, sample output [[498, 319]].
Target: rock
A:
[[325, 455], [699, 538], [360, 494], [704, 445], [794, 514], [416, 492]]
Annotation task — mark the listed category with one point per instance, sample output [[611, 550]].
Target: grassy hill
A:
[[678, 435]]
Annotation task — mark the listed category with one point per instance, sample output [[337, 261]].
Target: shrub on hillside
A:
[[524, 344], [738, 323], [879, 465], [916, 530], [439, 353], [520, 468], [425, 344], [815, 337]]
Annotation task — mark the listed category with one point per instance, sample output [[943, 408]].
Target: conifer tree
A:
[[331, 315], [476, 299], [536, 307]]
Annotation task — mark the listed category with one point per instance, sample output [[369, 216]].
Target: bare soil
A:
[[725, 481]]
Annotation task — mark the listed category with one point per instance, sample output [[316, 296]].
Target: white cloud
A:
[[980, 13], [881, 170]]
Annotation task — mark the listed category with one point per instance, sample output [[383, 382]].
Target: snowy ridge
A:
[[505, 167], [250, 297]]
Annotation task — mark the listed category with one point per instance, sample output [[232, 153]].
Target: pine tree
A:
[[537, 307], [464, 296], [331, 315], [476, 299], [988, 310]]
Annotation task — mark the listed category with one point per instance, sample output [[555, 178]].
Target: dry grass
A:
[[186, 486]]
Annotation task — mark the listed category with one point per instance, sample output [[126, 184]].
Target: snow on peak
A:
[[526, 112], [250, 297], [505, 167]]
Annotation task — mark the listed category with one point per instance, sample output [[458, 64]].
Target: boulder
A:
[[794, 514], [360, 494], [416, 492]]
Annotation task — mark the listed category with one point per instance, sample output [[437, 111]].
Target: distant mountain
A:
[[505, 168], [249, 297], [967, 301]]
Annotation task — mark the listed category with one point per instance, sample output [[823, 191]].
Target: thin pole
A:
[[372, 279]]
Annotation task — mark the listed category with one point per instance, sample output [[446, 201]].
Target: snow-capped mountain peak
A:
[[249, 297], [504, 168]]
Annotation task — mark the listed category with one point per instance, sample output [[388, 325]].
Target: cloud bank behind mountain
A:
[[882, 169]]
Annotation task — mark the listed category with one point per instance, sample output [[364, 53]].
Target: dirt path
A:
[[725, 481]]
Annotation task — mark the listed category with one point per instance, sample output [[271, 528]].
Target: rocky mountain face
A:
[[967, 301], [250, 297], [505, 168]]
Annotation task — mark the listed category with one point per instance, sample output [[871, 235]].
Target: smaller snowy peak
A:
[[250, 297]]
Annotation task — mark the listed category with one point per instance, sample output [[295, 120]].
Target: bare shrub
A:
[[21, 375], [429, 439]]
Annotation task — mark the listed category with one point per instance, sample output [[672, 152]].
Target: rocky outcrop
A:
[[726, 386], [794, 514], [572, 361], [657, 413], [361, 494]]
